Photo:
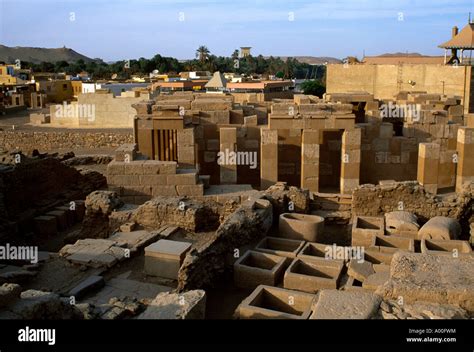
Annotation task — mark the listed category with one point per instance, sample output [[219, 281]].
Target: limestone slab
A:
[[334, 304], [431, 278]]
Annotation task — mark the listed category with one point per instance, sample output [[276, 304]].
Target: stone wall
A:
[[46, 141], [137, 180], [261, 97], [34, 187], [98, 110], [370, 200], [203, 265], [382, 80], [178, 211], [162, 126]]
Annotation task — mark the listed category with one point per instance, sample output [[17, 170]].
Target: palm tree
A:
[[211, 64], [202, 53]]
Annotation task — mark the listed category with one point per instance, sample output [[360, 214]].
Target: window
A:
[[64, 86]]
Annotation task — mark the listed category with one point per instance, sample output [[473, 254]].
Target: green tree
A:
[[313, 88], [46, 67], [202, 53]]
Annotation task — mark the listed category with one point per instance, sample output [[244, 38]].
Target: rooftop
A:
[[463, 40]]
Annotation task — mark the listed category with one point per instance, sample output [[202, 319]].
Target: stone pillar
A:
[[227, 157], [350, 160], [428, 166], [310, 160], [186, 148], [465, 149], [268, 158], [18, 100]]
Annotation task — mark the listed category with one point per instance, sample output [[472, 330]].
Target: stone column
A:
[[310, 160], [186, 148], [428, 166], [350, 160], [268, 158], [228, 158], [465, 149]]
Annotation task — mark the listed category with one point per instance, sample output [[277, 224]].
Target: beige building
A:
[[386, 76], [386, 81], [100, 109]]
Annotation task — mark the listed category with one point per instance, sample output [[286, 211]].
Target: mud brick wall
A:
[[370, 200], [47, 141]]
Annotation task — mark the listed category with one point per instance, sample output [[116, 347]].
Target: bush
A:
[[313, 88]]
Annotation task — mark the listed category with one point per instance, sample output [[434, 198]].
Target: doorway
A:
[[330, 161]]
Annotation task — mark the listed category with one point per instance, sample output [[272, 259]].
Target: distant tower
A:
[[245, 51]]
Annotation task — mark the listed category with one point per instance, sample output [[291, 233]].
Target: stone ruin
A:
[[158, 228], [159, 259]]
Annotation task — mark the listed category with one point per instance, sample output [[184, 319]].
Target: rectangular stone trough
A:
[[375, 257], [317, 251], [446, 247], [364, 228], [311, 276], [352, 285], [268, 302], [283, 247], [389, 244], [257, 268]]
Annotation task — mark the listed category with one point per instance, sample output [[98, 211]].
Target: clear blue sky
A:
[[124, 29]]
